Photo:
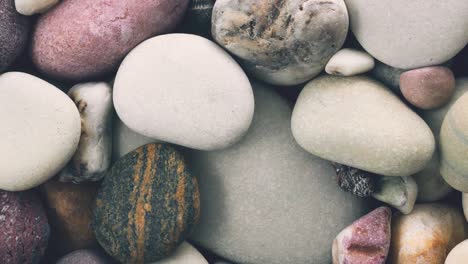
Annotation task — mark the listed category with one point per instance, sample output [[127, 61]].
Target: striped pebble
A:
[[147, 205]]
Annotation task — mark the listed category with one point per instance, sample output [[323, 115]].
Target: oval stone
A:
[[185, 254], [95, 35], [458, 254], [14, 30], [358, 122], [454, 145], [31, 7], [407, 40], [281, 42], [86, 256], [265, 197], [147, 205], [41, 129], [185, 90]]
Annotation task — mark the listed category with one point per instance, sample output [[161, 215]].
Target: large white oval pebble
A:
[[40, 131], [185, 90]]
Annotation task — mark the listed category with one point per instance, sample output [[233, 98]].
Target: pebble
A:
[[358, 122], [428, 88], [31, 7], [408, 41], [454, 145], [40, 131], [282, 42], [388, 75], [426, 235], [399, 192], [198, 98], [14, 31], [85, 256], [25, 230], [95, 35], [265, 197], [69, 208], [93, 156], [125, 140], [459, 254], [349, 62], [184, 254], [147, 205], [431, 186], [355, 181], [366, 240], [197, 19]]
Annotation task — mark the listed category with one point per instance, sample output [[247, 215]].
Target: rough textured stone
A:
[[399, 192], [40, 131], [24, 226], [355, 181], [86, 257], [281, 42], [69, 208], [454, 145], [31, 7], [458, 254], [358, 122], [198, 98], [349, 62], [93, 156], [14, 30], [147, 205], [267, 174], [408, 41], [366, 241], [426, 235], [431, 186], [185, 254], [81, 39], [429, 87]]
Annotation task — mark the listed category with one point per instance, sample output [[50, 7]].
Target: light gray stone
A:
[[184, 89], [358, 122], [185, 254], [40, 131], [431, 186], [265, 200], [93, 156], [398, 33], [458, 254], [399, 192], [31, 7], [281, 42], [349, 62]]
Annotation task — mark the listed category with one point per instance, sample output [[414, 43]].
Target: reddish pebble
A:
[[428, 88], [366, 241]]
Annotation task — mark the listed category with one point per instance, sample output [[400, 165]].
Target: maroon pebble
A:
[[24, 228], [82, 39], [366, 241], [428, 88]]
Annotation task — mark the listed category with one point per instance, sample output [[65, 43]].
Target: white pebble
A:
[[31, 7], [349, 62]]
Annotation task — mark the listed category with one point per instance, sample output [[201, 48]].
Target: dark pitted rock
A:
[[14, 30], [355, 181], [24, 228], [147, 205], [86, 256]]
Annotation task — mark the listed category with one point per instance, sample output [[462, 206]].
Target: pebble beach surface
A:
[[229, 131]]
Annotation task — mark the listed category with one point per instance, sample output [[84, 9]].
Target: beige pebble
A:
[[348, 62]]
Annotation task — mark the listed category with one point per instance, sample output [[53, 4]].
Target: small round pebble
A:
[[14, 30], [349, 62], [24, 228], [459, 254], [31, 7], [86, 256], [147, 205], [428, 88]]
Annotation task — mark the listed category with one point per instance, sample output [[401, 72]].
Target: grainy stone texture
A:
[[198, 98], [265, 197], [81, 39], [358, 122], [349, 62], [93, 156], [399, 192], [458, 254], [185, 254], [147, 205], [408, 41], [197, 19], [14, 30], [366, 240], [355, 181], [426, 235], [86, 256], [454, 145], [431, 186], [24, 228], [281, 42], [31, 7], [428, 88], [40, 131], [69, 208]]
